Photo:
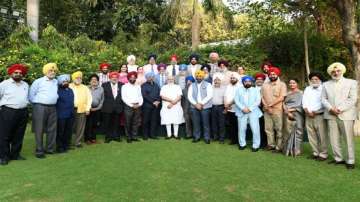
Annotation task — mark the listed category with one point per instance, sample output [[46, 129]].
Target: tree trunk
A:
[[351, 37], [33, 18], [306, 49], [195, 26]]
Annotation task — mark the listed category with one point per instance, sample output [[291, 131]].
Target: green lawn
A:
[[171, 170]]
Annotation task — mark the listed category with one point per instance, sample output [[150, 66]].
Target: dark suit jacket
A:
[[110, 104]]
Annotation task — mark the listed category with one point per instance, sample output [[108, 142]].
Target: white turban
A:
[[218, 75], [336, 65], [236, 75], [130, 57], [214, 54]]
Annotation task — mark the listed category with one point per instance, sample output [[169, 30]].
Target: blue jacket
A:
[[253, 102], [65, 103]]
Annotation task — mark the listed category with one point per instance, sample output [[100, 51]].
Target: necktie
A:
[[173, 71]]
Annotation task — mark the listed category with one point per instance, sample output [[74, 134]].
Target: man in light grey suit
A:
[[339, 98]]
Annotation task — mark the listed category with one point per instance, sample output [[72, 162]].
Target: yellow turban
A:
[[336, 65], [200, 73], [76, 75], [48, 67]]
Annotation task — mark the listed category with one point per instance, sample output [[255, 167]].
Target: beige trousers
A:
[[274, 124], [79, 127], [316, 130], [339, 129]]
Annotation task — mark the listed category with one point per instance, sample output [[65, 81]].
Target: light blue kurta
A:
[[248, 98]]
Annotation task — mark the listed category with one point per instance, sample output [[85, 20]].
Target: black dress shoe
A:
[[313, 157], [195, 140], [254, 150], [276, 151], [207, 141], [135, 140], [321, 158], [188, 137], [78, 146], [242, 148], [107, 141], [154, 138], [4, 162], [19, 158], [350, 166], [40, 156], [50, 152], [336, 162], [117, 140]]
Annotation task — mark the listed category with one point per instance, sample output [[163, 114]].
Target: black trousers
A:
[[218, 122], [91, 125], [111, 123], [12, 130], [150, 121], [132, 121], [232, 127], [64, 133]]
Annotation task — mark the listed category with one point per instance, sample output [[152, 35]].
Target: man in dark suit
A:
[[112, 107], [151, 106]]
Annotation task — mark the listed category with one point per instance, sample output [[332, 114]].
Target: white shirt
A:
[[169, 69], [132, 68], [148, 67], [312, 99], [209, 94], [230, 95], [103, 78], [13, 94], [114, 88], [192, 69], [131, 94]]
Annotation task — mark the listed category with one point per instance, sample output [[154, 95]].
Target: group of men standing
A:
[[211, 100]]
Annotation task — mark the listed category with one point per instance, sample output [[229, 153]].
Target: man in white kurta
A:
[[171, 112]]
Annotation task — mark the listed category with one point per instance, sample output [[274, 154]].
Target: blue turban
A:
[[62, 78], [190, 78], [247, 78], [183, 67], [149, 74]]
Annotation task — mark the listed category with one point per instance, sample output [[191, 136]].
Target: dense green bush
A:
[[81, 53]]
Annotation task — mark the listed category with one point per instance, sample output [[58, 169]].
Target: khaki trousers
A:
[[339, 129], [316, 130], [79, 127], [274, 123]]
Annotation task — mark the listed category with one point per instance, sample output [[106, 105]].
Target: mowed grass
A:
[[172, 170]]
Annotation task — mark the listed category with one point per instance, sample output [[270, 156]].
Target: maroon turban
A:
[[161, 65], [260, 76], [224, 62], [130, 74]]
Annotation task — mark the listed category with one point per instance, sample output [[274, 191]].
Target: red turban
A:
[[16, 67], [104, 65], [113, 74], [260, 75], [174, 57], [276, 70], [130, 74]]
